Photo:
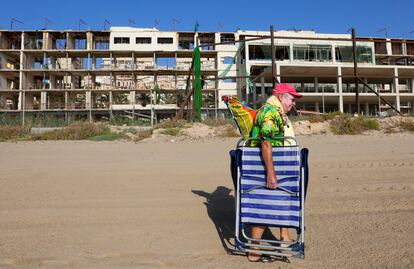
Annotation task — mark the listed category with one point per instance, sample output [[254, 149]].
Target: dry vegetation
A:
[[343, 125], [333, 123], [13, 132]]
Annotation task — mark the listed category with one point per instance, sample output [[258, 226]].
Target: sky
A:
[[369, 18]]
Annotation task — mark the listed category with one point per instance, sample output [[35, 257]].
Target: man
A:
[[270, 123]]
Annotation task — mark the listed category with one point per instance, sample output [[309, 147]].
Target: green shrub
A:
[[13, 132], [109, 137], [345, 124], [372, 124], [169, 123], [332, 115], [76, 131], [171, 131], [44, 120], [141, 135]]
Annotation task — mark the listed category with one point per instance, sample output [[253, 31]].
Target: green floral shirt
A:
[[268, 125]]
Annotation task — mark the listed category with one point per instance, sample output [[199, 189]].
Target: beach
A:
[[170, 204]]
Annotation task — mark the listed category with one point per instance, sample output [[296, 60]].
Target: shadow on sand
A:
[[221, 210], [220, 207]]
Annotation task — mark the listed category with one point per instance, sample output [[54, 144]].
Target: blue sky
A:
[[368, 17]]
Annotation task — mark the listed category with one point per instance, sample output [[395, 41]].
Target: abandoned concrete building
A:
[[97, 74]]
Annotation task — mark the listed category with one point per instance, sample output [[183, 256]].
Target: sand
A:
[[170, 204]]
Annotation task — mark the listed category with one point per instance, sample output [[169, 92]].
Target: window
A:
[[165, 63], [165, 40], [121, 40], [229, 80], [143, 40], [364, 54], [312, 53], [263, 52], [184, 44], [185, 41], [227, 38], [345, 54], [228, 60], [282, 53]]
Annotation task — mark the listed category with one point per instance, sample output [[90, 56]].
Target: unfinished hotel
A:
[[142, 71]]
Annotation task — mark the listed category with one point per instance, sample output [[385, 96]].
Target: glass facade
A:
[[345, 54], [312, 53], [263, 52]]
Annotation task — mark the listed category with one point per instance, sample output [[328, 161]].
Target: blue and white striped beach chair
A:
[[282, 207]]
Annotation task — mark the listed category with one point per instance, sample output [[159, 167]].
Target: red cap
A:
[[286, 88]]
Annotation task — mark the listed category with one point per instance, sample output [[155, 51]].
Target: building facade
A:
[[97, 74]]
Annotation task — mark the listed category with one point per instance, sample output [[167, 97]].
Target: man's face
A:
[[288, 102]]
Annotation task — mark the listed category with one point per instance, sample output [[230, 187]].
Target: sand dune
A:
[[170, 205]]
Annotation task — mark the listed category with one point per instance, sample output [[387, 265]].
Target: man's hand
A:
[[271, 183], [271, 180]]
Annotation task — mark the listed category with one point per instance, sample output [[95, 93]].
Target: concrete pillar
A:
[[365, 87], [350, 108], [20, 103], [396, 89], [88, 98], [114, 81], [45, 41], [89, 40], [71, 40], [315, 84], [341, 97], [49, 41], [373, 55], [196, 39], [3, 82], [366, 109], [42, 100], [52, 81], [246, 81], [389, 47], [2, 62], [66, 99], [22, 95], [110, 100], [262, 89], [412, 85], [278, 77], [72, 82], [132, 97]]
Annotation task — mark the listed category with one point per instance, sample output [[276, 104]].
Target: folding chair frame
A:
[[295, 248]]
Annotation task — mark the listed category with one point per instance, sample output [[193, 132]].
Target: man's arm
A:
[[271, 180]]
